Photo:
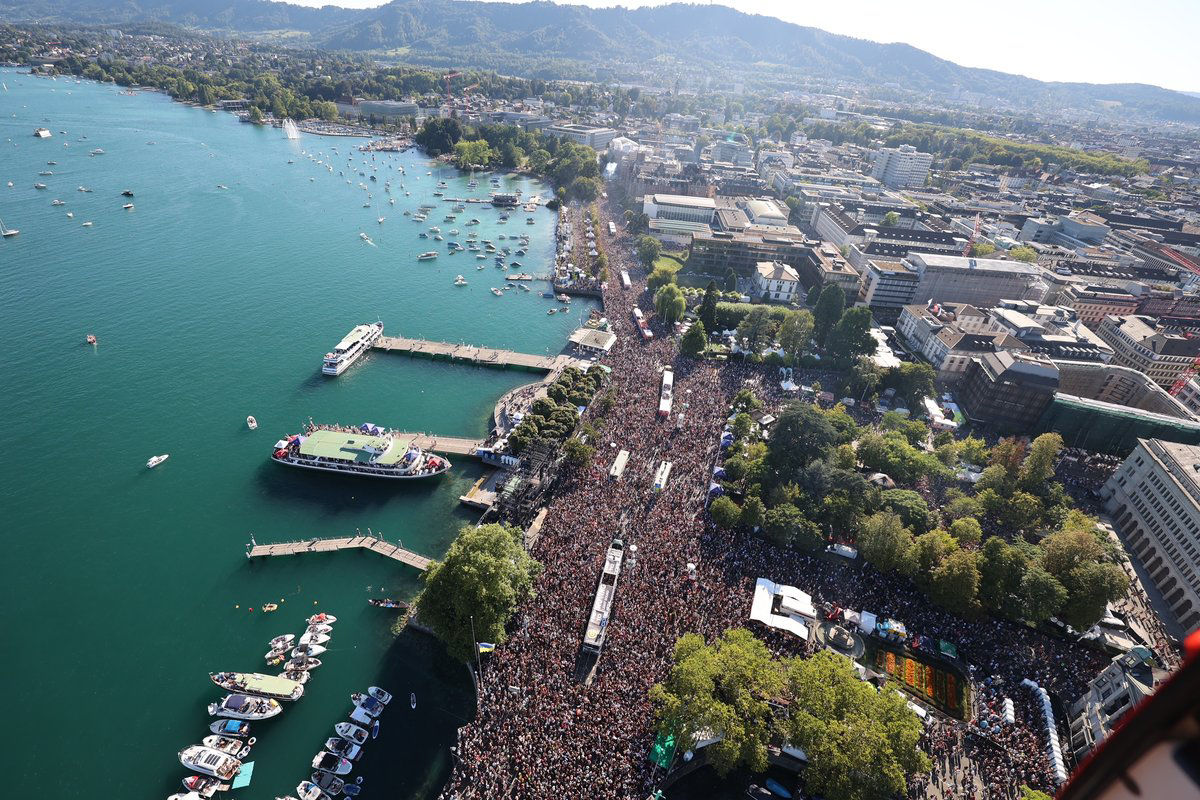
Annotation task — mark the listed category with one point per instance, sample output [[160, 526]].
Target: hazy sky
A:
[[1098, 41]]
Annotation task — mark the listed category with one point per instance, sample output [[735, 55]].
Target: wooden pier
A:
[[483, 356], [329, 545], [452, 445]]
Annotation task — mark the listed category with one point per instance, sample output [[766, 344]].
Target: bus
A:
[[597, 626], [664, 396], [618, 467], [662, 475], [625, 283]]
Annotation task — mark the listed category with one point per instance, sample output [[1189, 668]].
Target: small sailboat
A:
[[156, 460], [7, 232], [314, 637], [251, 423]]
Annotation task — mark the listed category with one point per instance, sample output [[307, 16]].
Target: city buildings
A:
[[901, 167], [776, 282], [718, 252], [679, 207], [1154, 501], [1008, 391], [1141, 343], [1129, 679], [825, 265], [1094, 302], [592, 136]]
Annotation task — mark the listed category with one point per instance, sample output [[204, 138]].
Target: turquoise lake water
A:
[[124, 586]]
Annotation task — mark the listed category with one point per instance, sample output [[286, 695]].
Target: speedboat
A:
[[351, 732], [307, 790], [39, 186], [82, 189], [156, 460], [204, 785], [256, 683], [321, 619], [329, 783], [230, 727], [307, 650], [314, 638], [128, 206], [299, 676], [234, 747], [208, 761], [343, 747], [251, 423], [459, 280], [367, 703], [302, 663], [328, 762], [362, 716], [497, 292], [379, 694], [319, 627], [244, 706], [127, 193], [57, 203]]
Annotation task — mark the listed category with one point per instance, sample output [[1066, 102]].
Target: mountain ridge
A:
[[617, 43]]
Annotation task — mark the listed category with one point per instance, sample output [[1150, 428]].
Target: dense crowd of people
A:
[[541, 733]]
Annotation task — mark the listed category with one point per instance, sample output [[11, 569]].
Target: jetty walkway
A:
[[328, 545], [453, 445], [483, 356]]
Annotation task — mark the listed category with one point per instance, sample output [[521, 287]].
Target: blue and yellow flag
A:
[[485, 647]]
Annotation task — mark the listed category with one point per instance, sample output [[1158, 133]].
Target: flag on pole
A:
[[485, 647]]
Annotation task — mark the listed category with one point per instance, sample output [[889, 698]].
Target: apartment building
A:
[[901, 167], [1154, 500]]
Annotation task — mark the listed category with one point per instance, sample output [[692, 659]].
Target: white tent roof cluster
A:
[[1053, 750], [796, 609]]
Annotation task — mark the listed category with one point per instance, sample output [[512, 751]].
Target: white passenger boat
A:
[[352, 345], [370, 452], [208, 761], [257, 684]]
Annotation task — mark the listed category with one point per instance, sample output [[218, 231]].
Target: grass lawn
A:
[[672, 261]]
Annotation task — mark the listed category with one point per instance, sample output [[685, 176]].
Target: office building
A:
[[720, 251], [1140, 343], [1119, 688], [1008, 392], [1154, 501], [901, 167], [887, 286], [980, 282], [592, 136], [825, 265], [1094, 303], [679, 207]]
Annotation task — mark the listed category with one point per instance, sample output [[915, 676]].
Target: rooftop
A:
[[682, 200], [349, 447]]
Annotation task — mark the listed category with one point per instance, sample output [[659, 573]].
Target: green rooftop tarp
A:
[[663, 751], [948, 650]]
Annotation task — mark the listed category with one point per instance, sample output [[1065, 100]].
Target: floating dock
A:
[[329, 545], [483, 356]]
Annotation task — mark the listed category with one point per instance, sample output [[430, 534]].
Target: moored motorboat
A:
[[235, 747], [256, 683], [230, 727], [307, 790], [244, 706], [307, 651], [367, 703], [314, 638], [204, 785], [321, 619], [302, 663], [329, 783], [387, 602], [299, 676], [328, 762], [156, 460], [208, 761], [283, 641], [319, 627], [352, 732], [343, 747], [381, 695], [362, 716]]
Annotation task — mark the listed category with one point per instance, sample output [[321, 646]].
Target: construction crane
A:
[[1184, 377], [448, 76], [971, 241]]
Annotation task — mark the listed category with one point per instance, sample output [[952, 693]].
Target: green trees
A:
[[884, 541], [724, 688], [1023, 253], [851, 336], [912, 381], [473, 153], [795, 333], [669, 303], [439, 135], [484, 575], [955, 582], [891, 219], [830, 305], [982, 249], [659, 277], [585, 189], [648, 250], [724, 512], [577, 454], [708, 307], [801, 434], [756, 329], [861, 743], [695, 340]]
